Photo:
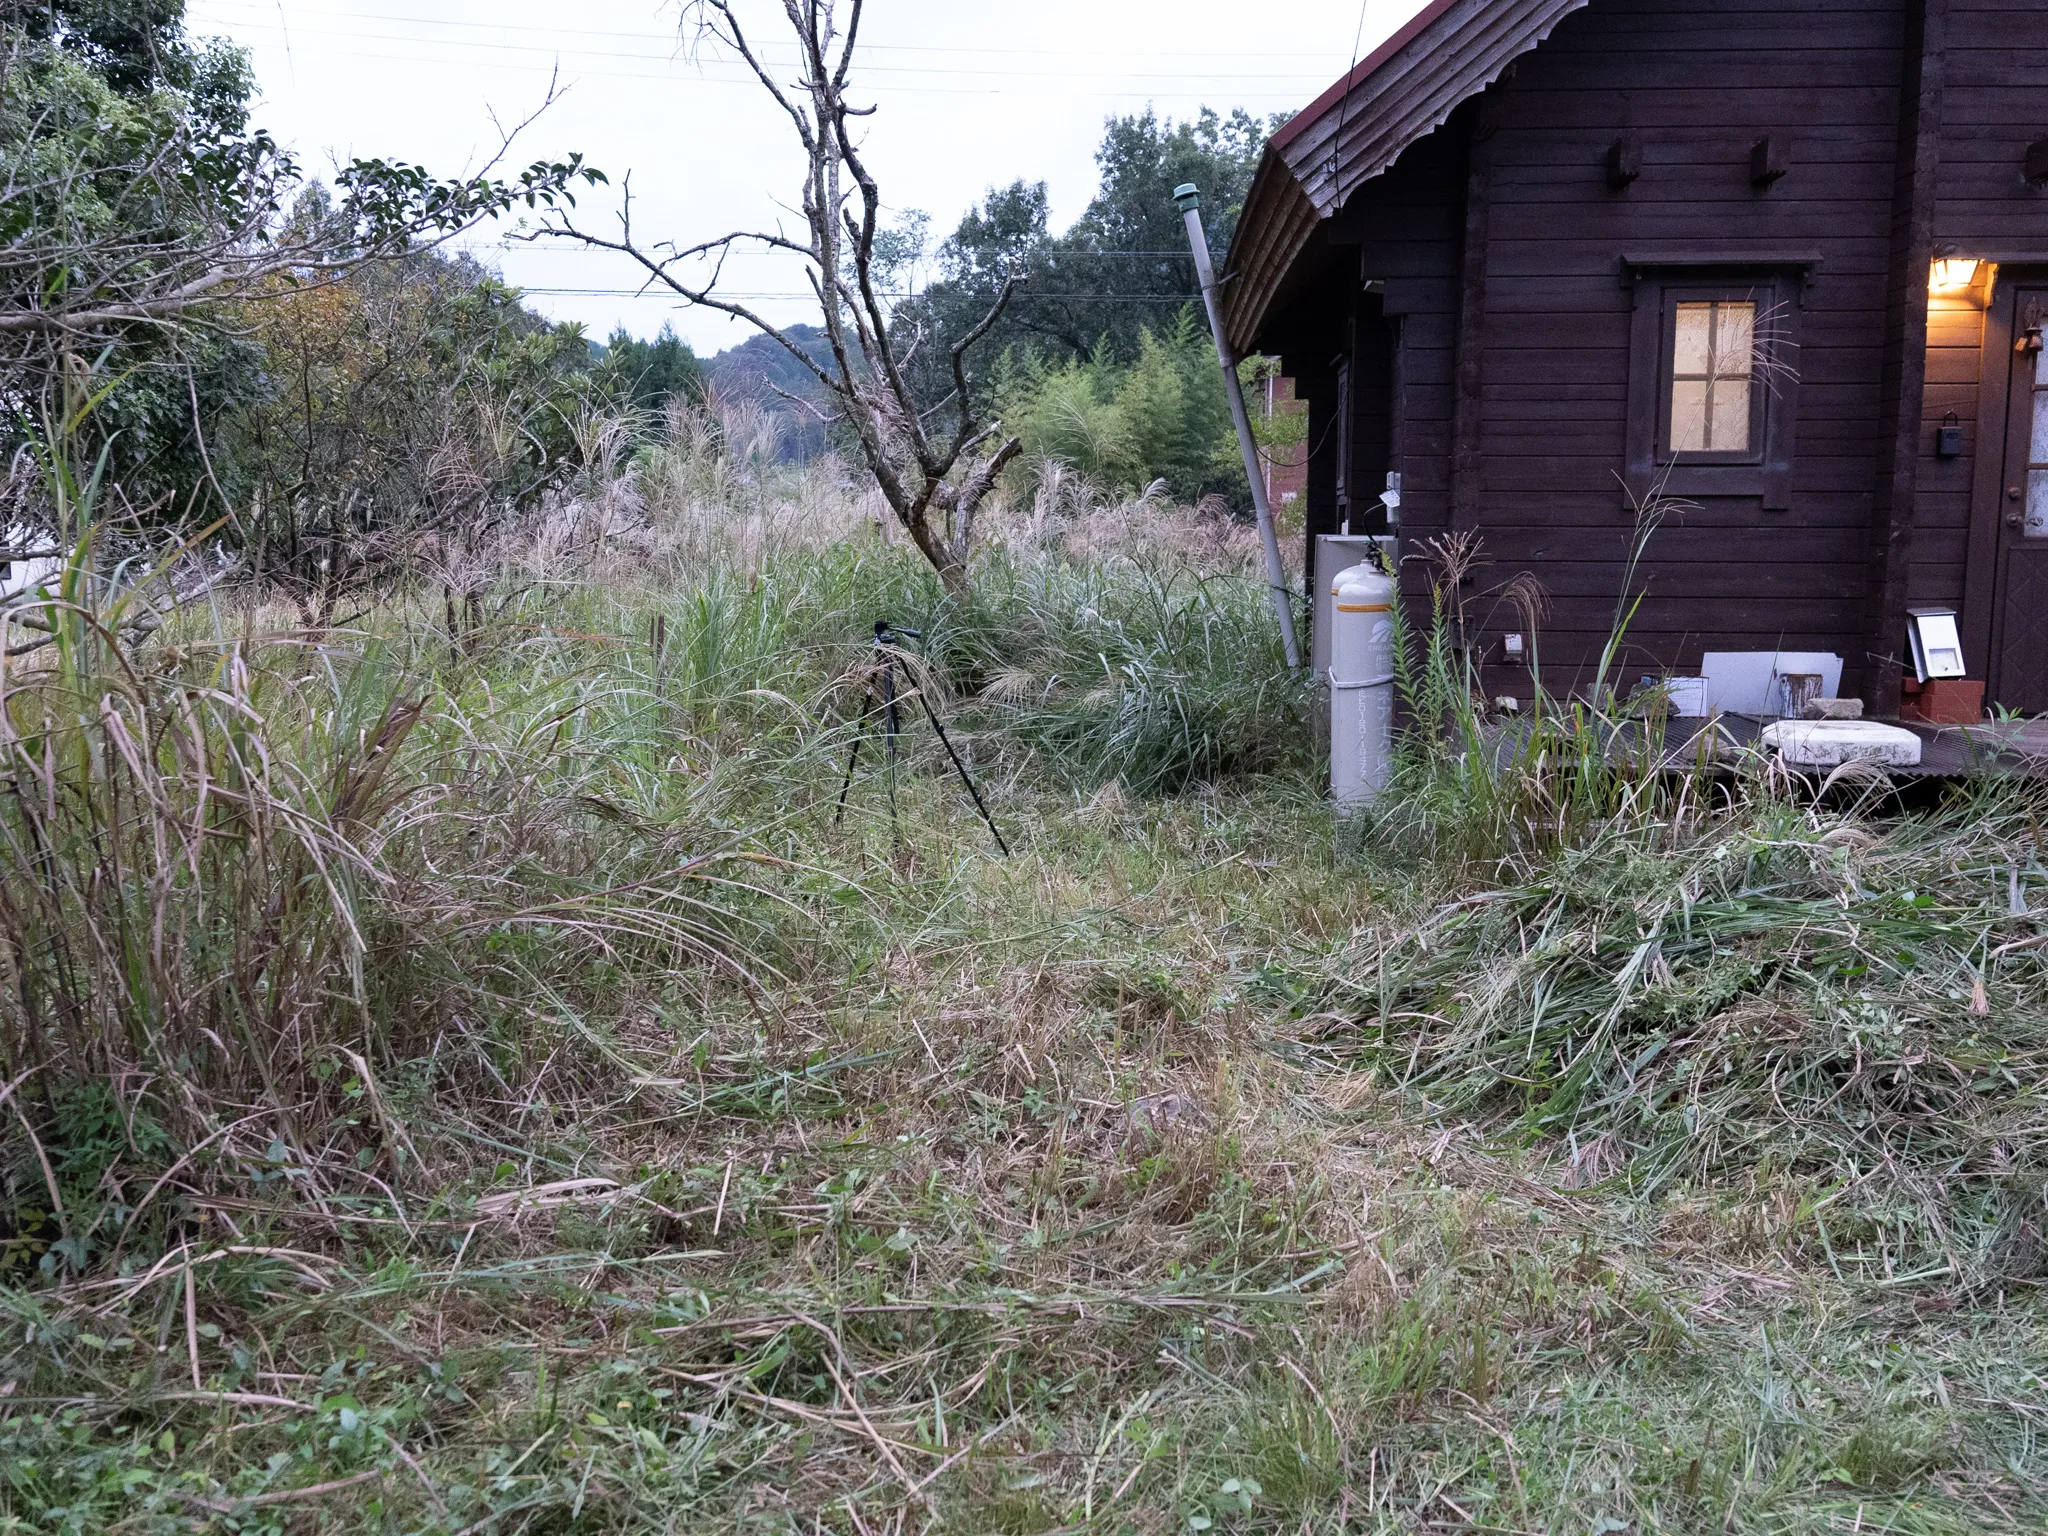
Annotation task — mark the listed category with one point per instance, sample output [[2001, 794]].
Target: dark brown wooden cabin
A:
[[1495, 258]]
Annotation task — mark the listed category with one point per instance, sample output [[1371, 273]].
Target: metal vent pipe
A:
[[1188, 198]]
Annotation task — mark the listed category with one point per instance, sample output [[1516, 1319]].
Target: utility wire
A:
[[1016, 88], [1053, 256], [1344, 103], [674, 39], [741, 77], [653, 292]]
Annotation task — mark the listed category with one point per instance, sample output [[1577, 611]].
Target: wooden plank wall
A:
[[1407, 229], [1700, 81], [1401, 229], [1311, 335], [1997, 63], [1997, 105], [1943, 510], [1372, 410]]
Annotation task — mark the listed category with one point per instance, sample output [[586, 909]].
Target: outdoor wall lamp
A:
[[1953, 274]]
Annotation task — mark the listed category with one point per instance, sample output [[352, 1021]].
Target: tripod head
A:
[[885, 632]]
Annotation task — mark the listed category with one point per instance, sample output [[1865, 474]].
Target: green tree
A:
[[1122, 270], [1161, 417], [115, 133], [138, 208], [648, 374], [136, 46]]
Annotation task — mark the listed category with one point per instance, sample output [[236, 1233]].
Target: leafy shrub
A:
[[1162, 417], [415, 401]]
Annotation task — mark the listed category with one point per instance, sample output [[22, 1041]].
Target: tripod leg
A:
[[894, 728], [961, 769], [867, 708]]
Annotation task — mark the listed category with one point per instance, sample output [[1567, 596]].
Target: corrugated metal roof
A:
[[1449, 53]]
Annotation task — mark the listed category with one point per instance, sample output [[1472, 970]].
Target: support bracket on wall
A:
[[1624, 161], [2037, 163], [1769, 159]]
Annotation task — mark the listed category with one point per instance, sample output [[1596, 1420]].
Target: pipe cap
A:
[[1187, 197]]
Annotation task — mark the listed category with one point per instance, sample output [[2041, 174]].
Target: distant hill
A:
[[758, 367]]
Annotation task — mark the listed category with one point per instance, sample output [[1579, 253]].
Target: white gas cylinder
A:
[[1361, 684]]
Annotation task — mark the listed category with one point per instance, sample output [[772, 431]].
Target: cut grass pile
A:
[[1166, 1176], [1858, 1008]]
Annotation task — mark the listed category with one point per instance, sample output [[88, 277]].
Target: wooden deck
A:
[[2017, 747], [1946, 751]]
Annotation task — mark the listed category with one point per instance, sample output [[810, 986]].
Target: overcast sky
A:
[[972, 94]]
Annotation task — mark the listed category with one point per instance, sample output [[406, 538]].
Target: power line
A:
[[1016, 89], [762, 255], [1344, 102], [267, 10], [951, 72], [1022, 295]]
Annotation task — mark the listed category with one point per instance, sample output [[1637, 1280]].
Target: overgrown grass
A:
[[1474, 792], [1780, 994], [258, 867], [1709, 974], [1618, 1173]]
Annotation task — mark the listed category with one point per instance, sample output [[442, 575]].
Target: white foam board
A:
[[1753, 682]]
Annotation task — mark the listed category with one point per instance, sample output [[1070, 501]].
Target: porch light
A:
[[1952, 274]]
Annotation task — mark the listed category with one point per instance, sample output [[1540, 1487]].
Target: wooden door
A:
[[2019, 659]]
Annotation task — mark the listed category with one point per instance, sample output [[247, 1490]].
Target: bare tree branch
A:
[[920, 471]]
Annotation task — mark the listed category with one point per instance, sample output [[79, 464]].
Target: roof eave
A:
[[1408, 87]]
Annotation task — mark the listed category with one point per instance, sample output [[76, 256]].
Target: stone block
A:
[[1831, 743], [1833, 709]]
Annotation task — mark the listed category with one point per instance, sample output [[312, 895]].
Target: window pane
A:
[[2037, 503], [1728, 432], [1712, 371], [1694, 348], [1734, 339], [1688, 415], [2039, 455]]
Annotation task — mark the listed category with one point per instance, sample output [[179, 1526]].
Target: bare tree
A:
[[935, 465]]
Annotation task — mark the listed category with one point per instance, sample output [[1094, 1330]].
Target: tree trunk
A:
[[951, 568]]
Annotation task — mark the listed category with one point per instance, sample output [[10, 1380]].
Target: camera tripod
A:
[[886, 634]]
